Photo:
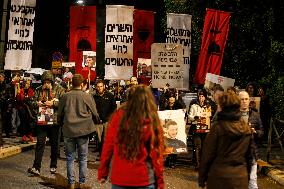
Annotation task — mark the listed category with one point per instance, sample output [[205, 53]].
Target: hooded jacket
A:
[[226, 153]]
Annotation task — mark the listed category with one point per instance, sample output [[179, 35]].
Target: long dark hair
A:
[[140, 106]]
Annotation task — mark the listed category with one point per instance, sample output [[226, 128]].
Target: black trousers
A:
[[43, 132]]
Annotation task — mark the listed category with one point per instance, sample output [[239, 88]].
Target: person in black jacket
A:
[[106, 105]]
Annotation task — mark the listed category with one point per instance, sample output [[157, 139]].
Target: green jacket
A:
[[45, 95]]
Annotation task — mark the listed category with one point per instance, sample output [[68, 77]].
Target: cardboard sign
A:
[[167, 65]]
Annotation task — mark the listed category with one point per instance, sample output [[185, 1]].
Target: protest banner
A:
[[166, 65], [179, 32], [82, 34], [174, 130], [214, 37], [143, 36], [20, 35], [119, 42]]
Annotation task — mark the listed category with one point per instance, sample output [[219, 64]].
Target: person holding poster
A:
[[226, 154], [47, 96], [199, 115], [134, 140]]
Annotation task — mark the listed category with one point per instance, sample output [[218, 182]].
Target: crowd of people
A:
[[225, 129]]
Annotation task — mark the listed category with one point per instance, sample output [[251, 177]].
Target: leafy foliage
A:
[[255, 45]]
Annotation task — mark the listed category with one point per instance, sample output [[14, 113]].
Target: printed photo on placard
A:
[[144, 70], [45, 116], [173, 124], [89, 57]]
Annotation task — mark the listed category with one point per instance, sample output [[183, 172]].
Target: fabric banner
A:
[[143, 36], [119, 42], [173, 124], [214, 37], [166, 65], [20, 35], [82, 33], [179, 32]]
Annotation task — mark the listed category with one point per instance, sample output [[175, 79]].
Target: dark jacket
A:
[[105, 104], [45, 95], [255, 122], [226, 153], [77, 110]]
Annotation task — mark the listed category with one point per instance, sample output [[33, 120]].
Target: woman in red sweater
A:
[[134, 143]]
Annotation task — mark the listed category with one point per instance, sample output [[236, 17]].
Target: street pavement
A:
[[16, 158]]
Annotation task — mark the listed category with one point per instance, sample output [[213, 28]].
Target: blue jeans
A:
[[253, 176], [79, 144], [152, 186]]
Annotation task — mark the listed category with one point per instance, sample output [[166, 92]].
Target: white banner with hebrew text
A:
[[179, 32], [119, 42], [20, 35]]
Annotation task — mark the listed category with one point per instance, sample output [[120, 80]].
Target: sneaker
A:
[[34, 171], [52, 170]]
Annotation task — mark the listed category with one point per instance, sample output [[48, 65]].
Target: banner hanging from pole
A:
[[20, 35], [83, 23], [179, 32], [214, 37], [119, 42], [143, 37]]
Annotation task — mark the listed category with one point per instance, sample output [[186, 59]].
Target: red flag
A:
[[215, 32], [143, 36], [82, 34]]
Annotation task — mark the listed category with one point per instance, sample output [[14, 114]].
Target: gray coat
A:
[[77, 110]]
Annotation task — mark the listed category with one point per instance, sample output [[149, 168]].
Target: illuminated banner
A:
[[20, 35], [166, 65], [179, 32], [119, 42]]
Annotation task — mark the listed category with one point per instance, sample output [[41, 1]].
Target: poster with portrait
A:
[[68, 70], [211, 80], [173, 124], [144, 70], [89, 55], [45, 116], [254, 103]]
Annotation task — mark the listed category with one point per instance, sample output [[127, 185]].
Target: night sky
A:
[[52, 26]]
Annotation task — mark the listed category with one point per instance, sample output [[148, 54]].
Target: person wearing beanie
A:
[[47, 97]]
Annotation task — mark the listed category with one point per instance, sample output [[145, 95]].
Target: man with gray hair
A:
[[253, 119]]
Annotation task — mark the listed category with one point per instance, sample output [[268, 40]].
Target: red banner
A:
[[143, 35], [82, 33], [215, 32]]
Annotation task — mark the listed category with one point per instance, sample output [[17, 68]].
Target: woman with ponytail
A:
[[134, 143]]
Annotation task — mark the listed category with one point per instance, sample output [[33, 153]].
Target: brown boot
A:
[[71, 186]]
